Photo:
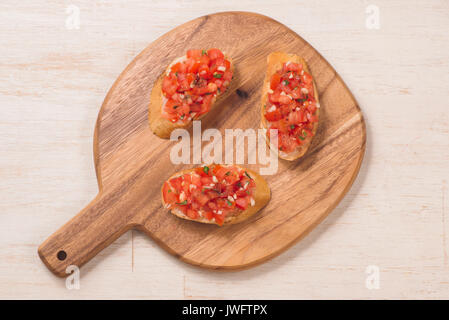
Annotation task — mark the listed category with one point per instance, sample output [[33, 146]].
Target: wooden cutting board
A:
[[132, 163]]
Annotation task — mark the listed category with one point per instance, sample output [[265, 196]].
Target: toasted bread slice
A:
[[274, 63], [163, 127], [261, 197]]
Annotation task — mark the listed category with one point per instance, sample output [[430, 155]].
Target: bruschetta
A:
[[215, 194], [290, 104], [188, 89]]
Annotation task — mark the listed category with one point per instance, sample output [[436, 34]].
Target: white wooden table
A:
[[55, 73]]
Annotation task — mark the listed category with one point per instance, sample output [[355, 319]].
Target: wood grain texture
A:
[[132, 163], [395, 216]]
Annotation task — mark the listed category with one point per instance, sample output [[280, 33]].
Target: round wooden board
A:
[[132, 163]]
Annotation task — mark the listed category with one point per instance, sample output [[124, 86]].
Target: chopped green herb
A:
[[169, 190], [176, 73], [203, 52], [246, 173], [174, 107], [182, 203], [302, 138], [228, 173], [247, 192], [217, 75], [229, 202], [182, 117], [301, 100], [206, 169], [292, 126], [239, 184], [286, 82]]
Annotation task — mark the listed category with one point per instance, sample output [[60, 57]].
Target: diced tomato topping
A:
[[176, 183], [179, 67], [196, 180], [292, 67], [209, 215], [169, 194], [212, 87], [207, 102], [215, 54], [274, 115], [196, 54], [284, 99], [287, 142], [183, 209], [295, 117], [169, 86], [227, 76], [192, 66], [291, 107], [192, 214], [171, 106], [212, 192], [242, 203], [222, 172], [275, 80], [193, 83], [206, 180], [219, 219]]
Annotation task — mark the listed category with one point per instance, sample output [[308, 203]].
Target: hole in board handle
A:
[[62, 255]]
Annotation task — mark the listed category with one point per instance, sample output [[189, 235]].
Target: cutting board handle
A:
[[86, 234]]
